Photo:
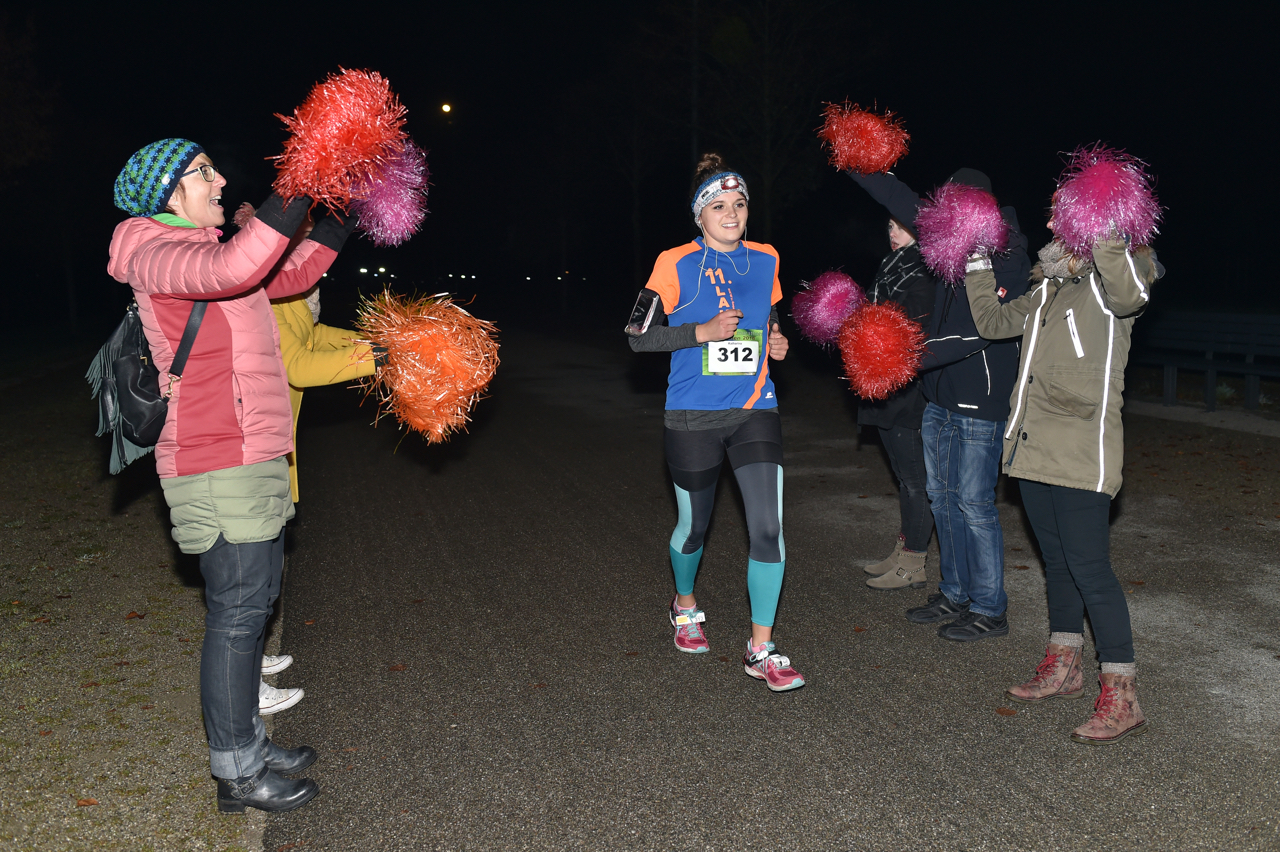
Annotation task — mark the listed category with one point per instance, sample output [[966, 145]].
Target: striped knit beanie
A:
[[146, 182]]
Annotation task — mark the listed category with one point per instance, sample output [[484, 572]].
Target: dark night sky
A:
[[1004, 90]]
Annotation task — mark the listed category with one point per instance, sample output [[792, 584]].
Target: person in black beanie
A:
[[965, 380]]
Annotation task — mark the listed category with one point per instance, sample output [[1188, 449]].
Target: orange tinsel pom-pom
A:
[[862, 141], [339, 138], [881, 347], [440, 360]]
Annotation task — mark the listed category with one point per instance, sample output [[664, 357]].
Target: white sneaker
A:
[[272, 700], [275, 665]]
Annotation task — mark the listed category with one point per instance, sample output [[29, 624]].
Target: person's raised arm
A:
[[215, 270], [1126, 278], [895, 196]]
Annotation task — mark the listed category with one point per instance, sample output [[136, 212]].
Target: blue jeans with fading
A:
[[242, 582], [962, 459]]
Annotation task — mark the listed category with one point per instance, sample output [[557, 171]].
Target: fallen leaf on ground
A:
[[62, 597], [1138, 582], [309, 621], [724, 659], [84, 803], [44, 733], [877, 667], [1006, 711], [133, 614], [90, 684], [859, 630], [18, 603], [44, 619], [538, 685], [351, 748], [147, 706], [633, 653], [398, 667], [1022, 567]]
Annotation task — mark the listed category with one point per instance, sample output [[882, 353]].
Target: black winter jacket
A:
[[904, 279], [962, 371]]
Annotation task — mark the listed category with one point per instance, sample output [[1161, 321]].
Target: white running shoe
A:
[[272, 700], [275, 665]]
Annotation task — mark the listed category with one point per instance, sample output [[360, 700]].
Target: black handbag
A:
[[126, 382]]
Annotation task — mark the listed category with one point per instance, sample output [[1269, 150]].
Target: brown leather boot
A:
[[1057, 676], [908, 571], [884, 566], [1116, 713]]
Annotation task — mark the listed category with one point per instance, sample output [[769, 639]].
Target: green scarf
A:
[[176, 221]]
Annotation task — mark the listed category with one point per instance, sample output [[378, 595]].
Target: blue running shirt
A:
[[695, 284]]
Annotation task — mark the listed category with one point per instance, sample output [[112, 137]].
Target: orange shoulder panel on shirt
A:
[[665, 280], [770, 250]]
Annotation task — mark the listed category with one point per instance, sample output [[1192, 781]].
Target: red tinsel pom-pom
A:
[[860, 140], [340, 138], [440, 360], [881, 347]]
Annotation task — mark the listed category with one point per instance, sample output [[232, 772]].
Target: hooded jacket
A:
[[231, 407], [1064, 425], [961, 370]]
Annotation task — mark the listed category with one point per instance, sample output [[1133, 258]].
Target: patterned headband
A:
[[715, 186]]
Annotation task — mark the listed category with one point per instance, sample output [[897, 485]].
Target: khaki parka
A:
[[1064, 423]]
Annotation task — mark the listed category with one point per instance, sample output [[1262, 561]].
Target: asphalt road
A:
[[481, 630]]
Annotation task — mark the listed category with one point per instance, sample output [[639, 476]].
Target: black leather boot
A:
[[287, 761], [265, 791]]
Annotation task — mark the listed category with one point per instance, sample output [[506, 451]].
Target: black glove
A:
[[278, 217], [380, 356], [333, 228]]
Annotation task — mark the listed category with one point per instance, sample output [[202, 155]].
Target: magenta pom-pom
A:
[[955, 222], [828, 301], [1104, 191], [860, 140], [393, 203], [881, 347]]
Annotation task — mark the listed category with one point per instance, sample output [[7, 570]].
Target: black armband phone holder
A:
[[647, 306]]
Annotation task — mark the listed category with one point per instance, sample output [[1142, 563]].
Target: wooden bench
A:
[[1212, 343]]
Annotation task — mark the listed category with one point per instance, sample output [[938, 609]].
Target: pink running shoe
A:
[[689, 635], [774, 669]]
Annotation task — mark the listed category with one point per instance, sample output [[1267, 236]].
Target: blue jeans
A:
[[962, 458], [242, 581]]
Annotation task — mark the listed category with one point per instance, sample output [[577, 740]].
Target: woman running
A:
[[716, 297]]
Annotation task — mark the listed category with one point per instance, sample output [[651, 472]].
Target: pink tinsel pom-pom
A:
[[828, 301], [1102, 190], [861, 140], [392, 205], [956, 222], [881, 347]]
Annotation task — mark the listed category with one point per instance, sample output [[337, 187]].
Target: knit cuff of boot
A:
[[1071, 640], [1126, 669]]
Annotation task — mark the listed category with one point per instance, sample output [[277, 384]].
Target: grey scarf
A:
[[1055, 262]]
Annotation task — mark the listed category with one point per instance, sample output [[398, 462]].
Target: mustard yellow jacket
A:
[[315, 354]]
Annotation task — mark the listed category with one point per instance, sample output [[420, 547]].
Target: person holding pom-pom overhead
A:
[[1064, 440], [221, 455]]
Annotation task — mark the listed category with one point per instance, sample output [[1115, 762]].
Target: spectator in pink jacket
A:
[[221, 455]]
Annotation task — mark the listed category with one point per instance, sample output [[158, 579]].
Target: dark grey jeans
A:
[[242, 581], [906, 455]]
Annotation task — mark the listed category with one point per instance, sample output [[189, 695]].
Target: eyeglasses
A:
[[206, 171]]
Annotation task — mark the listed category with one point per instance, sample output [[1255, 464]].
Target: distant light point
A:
[[446, 108]]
